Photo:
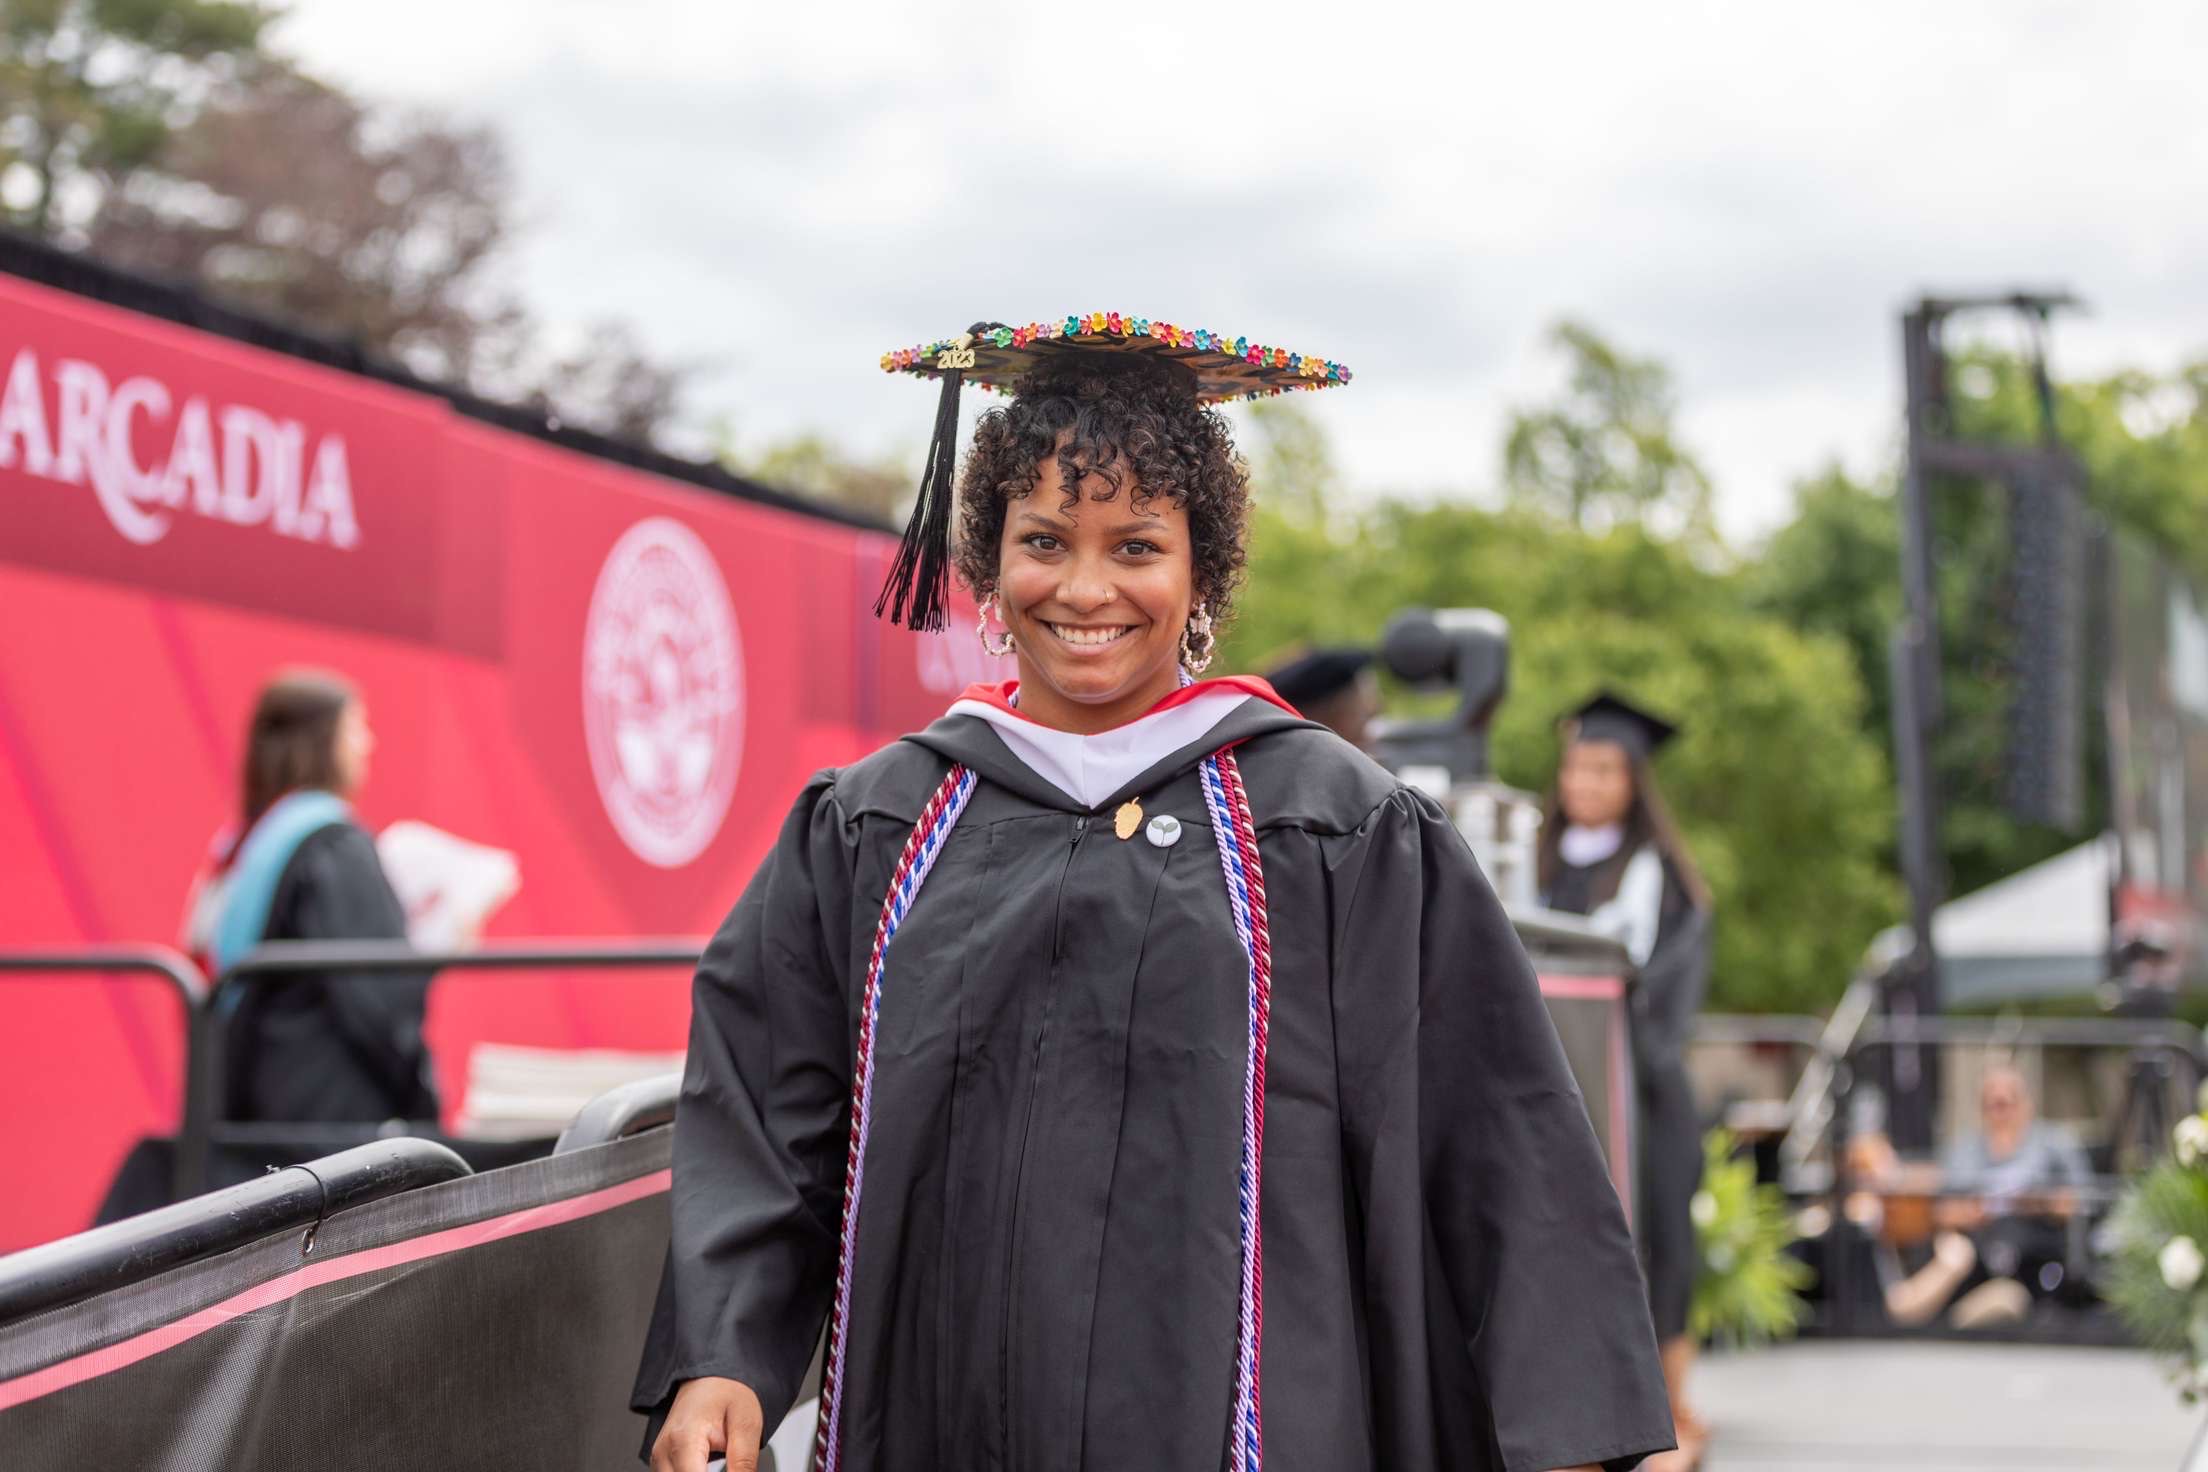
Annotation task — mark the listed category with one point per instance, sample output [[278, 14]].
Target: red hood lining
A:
[[1000, 696]]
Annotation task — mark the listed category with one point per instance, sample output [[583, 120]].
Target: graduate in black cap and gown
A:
[[1126, 1072], [1336, 687], [1610, 851]]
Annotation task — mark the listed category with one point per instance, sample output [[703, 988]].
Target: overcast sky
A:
[[1750, 192]]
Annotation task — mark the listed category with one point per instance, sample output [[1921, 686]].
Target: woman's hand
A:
[[710, 1415]]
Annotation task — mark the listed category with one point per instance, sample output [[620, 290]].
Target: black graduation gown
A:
[[338, 1048], [1667, 994], [1046, 1269]]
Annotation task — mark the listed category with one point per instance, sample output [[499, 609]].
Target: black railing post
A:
[[203, 1067], [1838, 1267], [184, 979]]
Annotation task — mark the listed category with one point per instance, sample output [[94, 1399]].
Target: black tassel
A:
[[920, 579]]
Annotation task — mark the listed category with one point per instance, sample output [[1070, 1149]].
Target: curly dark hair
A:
[[1105, 417]]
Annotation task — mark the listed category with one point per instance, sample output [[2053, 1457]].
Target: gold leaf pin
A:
[[1128, 818]]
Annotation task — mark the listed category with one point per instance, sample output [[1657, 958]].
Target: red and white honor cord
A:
[[1245, 874]]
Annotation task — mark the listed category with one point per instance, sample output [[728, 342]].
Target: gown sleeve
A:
[[760, 1130], [1488, 1218], [1636, 913]]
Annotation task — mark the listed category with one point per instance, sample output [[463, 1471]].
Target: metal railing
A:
[[2161, 1058], [131, 1251], [173, 967], [2163, 1065], [1810, 1107], [75, 1268], [620, 1112], [200, 1112], [203, 1103], [1757, 1117], [2060, 1032]]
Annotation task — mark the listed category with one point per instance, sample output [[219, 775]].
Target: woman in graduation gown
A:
[[1129, 1073], [341, 1047], [1610, 851]]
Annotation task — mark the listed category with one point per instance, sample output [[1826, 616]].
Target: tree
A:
[[607, 382], [384, 229], [90, 89], [1783, 793], [1835, 570], [1291, 463], [2143, 438], [813, 466], [1603, 453], [160, 119]]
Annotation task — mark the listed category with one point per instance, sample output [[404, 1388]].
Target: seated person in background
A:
[[1872, 1277], [2014, 1186]]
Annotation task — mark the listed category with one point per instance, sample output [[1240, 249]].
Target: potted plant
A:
[[1749, 1288], [2158, 1234]]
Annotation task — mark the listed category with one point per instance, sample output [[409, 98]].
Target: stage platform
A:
[[1900, 1406]]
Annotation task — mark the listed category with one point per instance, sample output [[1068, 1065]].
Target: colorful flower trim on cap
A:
[[1226, 367]]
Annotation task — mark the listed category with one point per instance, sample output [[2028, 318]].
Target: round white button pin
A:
[[1164, 830]]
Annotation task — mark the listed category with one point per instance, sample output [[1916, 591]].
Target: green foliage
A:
[[1603, 453], [812, 465], [164, 137], [2153, 1278], [1748, 1289], [2142, 437], [1290, 460], [2168, 1201], [1835, 570], [1780, 790], [91, 89]]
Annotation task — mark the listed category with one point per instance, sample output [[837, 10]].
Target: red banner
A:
[[620, 677]]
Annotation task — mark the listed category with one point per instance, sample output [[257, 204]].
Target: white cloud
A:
[[1749, 191]]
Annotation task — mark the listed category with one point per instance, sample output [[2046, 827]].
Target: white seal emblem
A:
[[663, 692]]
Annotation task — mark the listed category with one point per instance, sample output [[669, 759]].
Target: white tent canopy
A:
[[2042, 931]]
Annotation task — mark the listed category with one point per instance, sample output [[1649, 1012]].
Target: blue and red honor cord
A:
[[1245, 874], [919, 856]]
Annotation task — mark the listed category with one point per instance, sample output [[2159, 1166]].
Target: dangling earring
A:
[[996, 647], [1196, 641]]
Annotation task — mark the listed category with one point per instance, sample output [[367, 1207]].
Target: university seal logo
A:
[[663, 692]]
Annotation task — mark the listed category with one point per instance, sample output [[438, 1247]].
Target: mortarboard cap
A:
[[1615, 719], [1214, 366], [1318, 674]]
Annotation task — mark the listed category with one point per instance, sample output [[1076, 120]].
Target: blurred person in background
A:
[[2013, 1186], [1336, 687], [329, 1047], [1610, 851], [1853, 1255]]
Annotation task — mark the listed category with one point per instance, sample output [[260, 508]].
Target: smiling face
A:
[[1095, 594]]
